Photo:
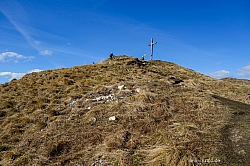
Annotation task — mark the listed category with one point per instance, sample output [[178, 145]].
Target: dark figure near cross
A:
[[142, 58], [111, 55]]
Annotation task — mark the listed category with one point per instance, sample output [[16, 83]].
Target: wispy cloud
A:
[[14, 75], [98, 3], [17, 17], [221, 74], [46, 52], [15, 14], [12, 56], [37, 42], [244, 72]]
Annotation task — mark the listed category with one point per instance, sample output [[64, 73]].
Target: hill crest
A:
[[117, 112]]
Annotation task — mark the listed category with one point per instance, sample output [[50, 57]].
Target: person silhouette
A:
[[111, 55], [142, 58]]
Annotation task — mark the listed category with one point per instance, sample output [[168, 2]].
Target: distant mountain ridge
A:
[[124, 111]]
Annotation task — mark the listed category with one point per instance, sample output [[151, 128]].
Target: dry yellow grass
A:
[[61, 117]]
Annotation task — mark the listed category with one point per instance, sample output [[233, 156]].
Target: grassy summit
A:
[[124, 112]]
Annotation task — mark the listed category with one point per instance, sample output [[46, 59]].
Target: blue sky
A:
[[208, 36]]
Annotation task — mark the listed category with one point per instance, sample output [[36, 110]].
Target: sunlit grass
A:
[[61, 117]]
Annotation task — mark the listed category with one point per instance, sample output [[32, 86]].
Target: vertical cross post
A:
[[151, 48]]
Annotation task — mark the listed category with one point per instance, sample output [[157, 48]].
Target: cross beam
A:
[[151, 47]]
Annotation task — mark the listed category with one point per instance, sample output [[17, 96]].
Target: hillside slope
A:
[[123, 112]]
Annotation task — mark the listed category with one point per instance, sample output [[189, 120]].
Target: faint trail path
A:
[[236, 134]]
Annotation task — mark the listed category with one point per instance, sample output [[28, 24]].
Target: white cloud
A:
[[244, 71], [12, 56], [221, 74], [12, 75], [34, 70], [46, 52]]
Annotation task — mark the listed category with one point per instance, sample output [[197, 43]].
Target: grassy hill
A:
[[124, 112]]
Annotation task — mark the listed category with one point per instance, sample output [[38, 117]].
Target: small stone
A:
[[112, 118], [176, 124], [97, 99], [101, 162], [93, 120], [241, 152], [72, 102], [120, 87], [138, 90], [89, 108]]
